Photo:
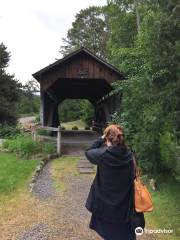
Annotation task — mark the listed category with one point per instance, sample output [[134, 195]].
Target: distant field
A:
[[79, 123]]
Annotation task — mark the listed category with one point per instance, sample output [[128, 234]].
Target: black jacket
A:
[[110, 196]]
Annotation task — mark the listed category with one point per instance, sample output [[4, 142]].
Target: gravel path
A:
[[69, 218], [43, 188], [37, 232], [74, 199]]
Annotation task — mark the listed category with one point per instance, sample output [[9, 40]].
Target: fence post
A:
[[59, 140], [34, 133]]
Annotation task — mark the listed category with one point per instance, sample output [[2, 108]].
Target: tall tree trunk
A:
[[136, 3]]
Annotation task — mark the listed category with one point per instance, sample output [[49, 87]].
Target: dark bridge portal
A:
[[80, 75]]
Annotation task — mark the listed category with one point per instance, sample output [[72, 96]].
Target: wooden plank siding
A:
[[79, 75], [84, 67]]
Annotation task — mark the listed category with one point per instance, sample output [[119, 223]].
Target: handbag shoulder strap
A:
[[136, 170]]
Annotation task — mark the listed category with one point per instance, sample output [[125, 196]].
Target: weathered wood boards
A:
[[81, 64], [81, 74]]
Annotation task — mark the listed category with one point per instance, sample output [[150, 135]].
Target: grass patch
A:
[[79, 123], [166, 209], [14, 173], [61, 168]]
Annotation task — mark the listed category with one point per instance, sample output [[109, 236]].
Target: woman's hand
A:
[[103, 136]]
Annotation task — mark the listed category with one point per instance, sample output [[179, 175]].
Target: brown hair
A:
[[115, 134]]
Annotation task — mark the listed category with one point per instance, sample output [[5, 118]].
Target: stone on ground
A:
[[85, 167]]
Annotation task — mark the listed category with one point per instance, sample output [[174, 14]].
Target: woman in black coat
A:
[[110, 196]]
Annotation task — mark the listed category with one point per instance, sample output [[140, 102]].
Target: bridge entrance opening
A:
[[80, 75]]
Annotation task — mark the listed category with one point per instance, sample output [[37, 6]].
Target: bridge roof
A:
[[79, 52], [80, 74]]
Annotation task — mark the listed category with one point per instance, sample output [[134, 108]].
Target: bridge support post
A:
[[42, 107]]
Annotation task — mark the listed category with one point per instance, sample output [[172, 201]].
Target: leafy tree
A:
[[4, 56], [32, 87], [9, 90], [75, 109], [87, 112], [122, 25], [29, 101], [70, 110], [89, 30], [151, 94]]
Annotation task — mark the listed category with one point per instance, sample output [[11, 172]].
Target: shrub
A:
[[22, 145], [170, 153], [75, 128], [43, 132], [25, 146], [48, 148], [167, 150], [87, 128], [37, 118], [9, 131]]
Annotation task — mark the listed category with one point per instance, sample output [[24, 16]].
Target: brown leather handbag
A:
[[142, 198]]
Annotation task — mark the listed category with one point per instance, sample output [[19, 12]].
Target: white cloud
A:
[[32, 30]]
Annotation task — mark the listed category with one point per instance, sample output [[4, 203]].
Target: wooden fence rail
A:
[[53, 129]]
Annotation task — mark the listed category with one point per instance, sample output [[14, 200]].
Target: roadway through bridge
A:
[[75, 142]]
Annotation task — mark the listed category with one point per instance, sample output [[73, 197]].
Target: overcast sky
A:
[[33, 30]]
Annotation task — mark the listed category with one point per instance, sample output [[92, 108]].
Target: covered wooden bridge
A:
[[79, 75]]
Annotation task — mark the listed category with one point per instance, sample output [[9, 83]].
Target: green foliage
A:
[[28, 105], [87, 112], [14, 172], [90, 30], [166, 207], [9, 131], [167, 149], [37, 118], [122, 25], [151, 97], [22, 145], [4, 56], [170, 153], [48, 148], [9, 90], [29, 101], [43, 132], [25, 146], [70, 110], [75, 128]]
